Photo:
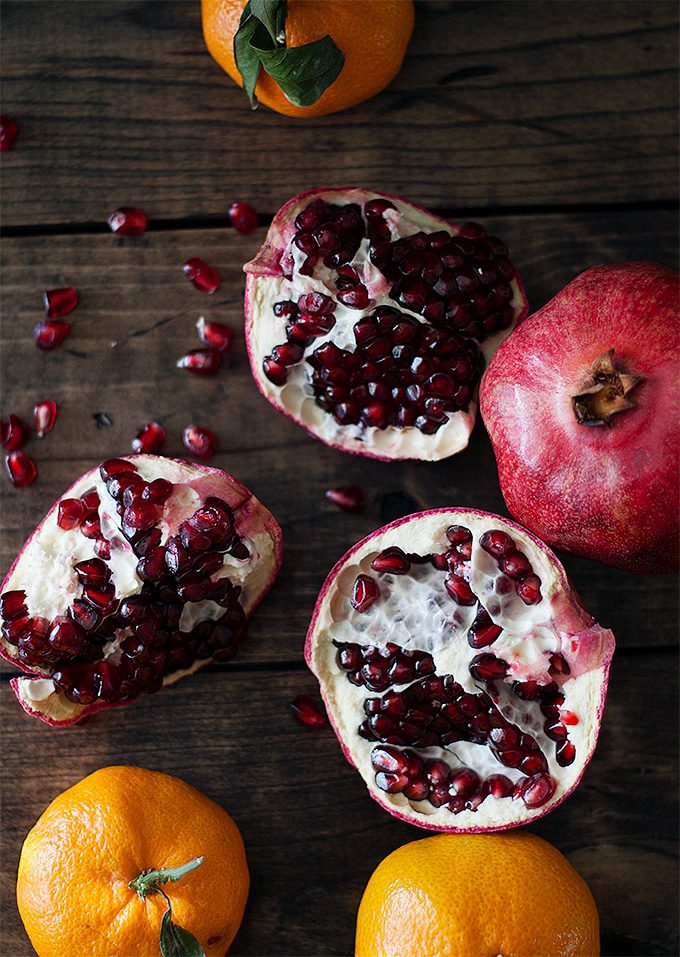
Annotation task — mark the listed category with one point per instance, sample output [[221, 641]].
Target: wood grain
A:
[[313, 835], [497, 104], [137, 315]]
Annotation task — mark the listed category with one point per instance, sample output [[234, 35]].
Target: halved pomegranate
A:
[[461, 674], [368, 320], [146, 569]]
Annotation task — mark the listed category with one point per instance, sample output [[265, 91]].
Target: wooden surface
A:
[[553, 123]]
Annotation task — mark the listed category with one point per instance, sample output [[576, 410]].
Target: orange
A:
[[77, 861], [477, 895], [372, 34]]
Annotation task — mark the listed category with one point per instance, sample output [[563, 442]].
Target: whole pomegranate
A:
[[143, 571], [581, 404], [460, 672], [368, 320]]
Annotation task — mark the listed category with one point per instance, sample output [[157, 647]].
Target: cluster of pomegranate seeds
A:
[[200, 442], [13, 432], [201, 361], [204, 277], [307, 711], [328, 233], [435, 711], [21, 468], [73, 647], [150, 439], [44, 417], [60, 302], [8, 132], [514, 564], [350, 498], [127, 221], [310, 317], [50, 333], [215, 334], [243, 218]]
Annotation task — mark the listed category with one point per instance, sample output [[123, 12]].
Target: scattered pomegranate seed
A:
[[13, 433], [59, 302], [50, 333], [127, 221], [243, 218], [215, 334], [203, 276], [8, 132], [199, 442], [44, 417], [350, 498], [307, 711], [149, 439], [21, 469], [201, 361]]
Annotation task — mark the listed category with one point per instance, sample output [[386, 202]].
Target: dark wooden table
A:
[[553, 122]]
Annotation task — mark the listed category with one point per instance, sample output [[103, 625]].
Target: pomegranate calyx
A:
[[605, 392]]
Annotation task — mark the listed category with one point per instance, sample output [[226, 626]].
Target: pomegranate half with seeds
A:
[[369, 319], [146, 569], [462, 675]]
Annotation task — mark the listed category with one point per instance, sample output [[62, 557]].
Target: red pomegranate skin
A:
[[606, 492]]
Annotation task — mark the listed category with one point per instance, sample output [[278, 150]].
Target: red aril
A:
[[50, 333], [201, 361], [368, 321], [20, 469], [215, 334], [8, 132], [44, 417], [60, 302], [127, 221], [307, 711], [243, 218], [350, 498], [13, 433], [445, 736], [199, 442], [126, 605], [581, 405], [203, 276], [149, 439]]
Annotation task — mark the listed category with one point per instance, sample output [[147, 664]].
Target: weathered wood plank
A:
[[313, 835], [137, 315], [497, 103]]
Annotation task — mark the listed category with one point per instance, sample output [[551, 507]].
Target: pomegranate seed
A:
[[158, 491], [92, 569], [568, 717], [366, 592], [70, 513], [21, 469], [8, 132], [391, 561], [201, 361], [459, 590], [558, 665], [127, 221], [12, 604], [536, 790], [497, 543], [59, 302], [529, 589], [203, 276], [499, 786], [150, 439], [90, 526], [215, 334], [13, 433], [275, 371], [307, 711], [350, 498], [565, 753], [488, 667], [199, 442], [102, 549], [243, 218], [44, 417], [85, 615], [515, 565], [113, 467], [50, 333]]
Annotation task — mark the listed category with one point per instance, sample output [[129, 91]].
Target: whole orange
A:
[[477, 895], [78, 860], [373, 36]]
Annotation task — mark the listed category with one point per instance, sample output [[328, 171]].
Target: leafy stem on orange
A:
[[303, 73], [174, 940]]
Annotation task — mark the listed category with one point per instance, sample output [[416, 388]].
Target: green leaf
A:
[[304, 73], [272, 15], [175, 941], [247, 59]]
